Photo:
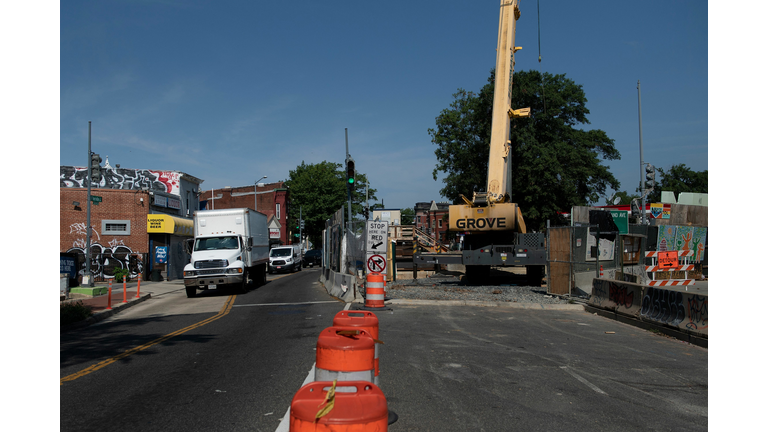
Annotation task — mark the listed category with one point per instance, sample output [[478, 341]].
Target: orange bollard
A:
[[601, 270], [345, 354], [109, 296], [138, 286], [366, 321], [355, 406], [375, 285], [125, 291]]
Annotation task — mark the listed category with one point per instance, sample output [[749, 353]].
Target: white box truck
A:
[[229, 246]]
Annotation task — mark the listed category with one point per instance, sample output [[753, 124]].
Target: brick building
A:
[[432, 218], [140, 213], [271, 199]]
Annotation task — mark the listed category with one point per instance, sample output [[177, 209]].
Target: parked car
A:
[[313, 257]]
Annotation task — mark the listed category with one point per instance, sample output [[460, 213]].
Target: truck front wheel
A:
[[191, 292]]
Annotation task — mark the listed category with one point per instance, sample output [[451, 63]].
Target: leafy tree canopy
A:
[[678, 179], [554, 164], [406, 216], [320, 190]]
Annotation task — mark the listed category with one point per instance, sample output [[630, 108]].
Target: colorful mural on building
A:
[[122, 178], [683, 238]]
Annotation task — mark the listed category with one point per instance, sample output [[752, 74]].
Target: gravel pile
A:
[[452, 288]]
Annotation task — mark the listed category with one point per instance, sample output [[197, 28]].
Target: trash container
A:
[[155, 276]]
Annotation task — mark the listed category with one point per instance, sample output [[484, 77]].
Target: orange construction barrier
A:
[[350, 407], [367, 321], [109, 296], [125, 290], [375, 284], [344, 353], [138, 286]]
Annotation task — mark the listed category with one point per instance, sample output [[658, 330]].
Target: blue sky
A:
[[230, 91]]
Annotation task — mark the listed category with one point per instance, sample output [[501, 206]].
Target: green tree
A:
[[406, 216], [678, 179], [554, 164], [320, 190]]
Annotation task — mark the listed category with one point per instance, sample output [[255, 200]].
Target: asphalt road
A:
[[236, 372], [222, 362]]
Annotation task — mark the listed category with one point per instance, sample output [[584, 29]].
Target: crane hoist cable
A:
[[541, 74]]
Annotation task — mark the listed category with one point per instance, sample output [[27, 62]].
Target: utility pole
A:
[[642, 162], [301, 228], [88, 216]]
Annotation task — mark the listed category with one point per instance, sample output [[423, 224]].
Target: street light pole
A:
[[255, 195], [642, 162], [88, 216]]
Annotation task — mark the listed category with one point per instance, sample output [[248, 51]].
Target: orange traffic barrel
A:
[[345, 353], [367, 321], [356, 406], [375, 285]]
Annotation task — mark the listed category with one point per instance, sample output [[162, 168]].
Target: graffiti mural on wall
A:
[[105, 259], [621, 295], [663, 306], [162, 181], [698, 313]]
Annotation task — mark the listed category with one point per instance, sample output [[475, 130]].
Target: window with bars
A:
[[116, 227]]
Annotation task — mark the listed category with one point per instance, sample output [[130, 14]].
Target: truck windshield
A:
[[213, 243], [280, 252]]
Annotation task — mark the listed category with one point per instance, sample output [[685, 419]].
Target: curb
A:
[[511, 305], [103, 314], [679, 335]]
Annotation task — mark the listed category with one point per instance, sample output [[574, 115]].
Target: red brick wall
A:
[[232, 198], [116, 205]]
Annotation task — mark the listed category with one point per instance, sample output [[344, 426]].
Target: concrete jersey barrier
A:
[[683, 311]]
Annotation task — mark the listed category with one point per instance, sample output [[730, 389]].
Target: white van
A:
[[285, 259]]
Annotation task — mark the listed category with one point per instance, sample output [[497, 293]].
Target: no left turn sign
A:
[[377, 263]]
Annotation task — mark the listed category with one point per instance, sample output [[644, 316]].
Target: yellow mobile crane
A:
[[493, 227]]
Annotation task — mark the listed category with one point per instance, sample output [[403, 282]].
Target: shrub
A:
[[122, 273], [74, 312]]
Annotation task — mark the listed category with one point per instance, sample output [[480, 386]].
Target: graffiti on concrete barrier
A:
[[698, 313], [599, 293], [621, 295], [663, 306], [122, 178]]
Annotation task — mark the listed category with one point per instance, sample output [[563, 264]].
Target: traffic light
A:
[[350, 171], [650, 176], [95, 168], [365, 213], [302, 224]]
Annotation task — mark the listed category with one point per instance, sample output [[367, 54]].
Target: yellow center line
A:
[[93, 368]]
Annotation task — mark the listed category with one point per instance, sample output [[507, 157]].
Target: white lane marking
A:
[[286, 304], [286, 420], [583, 380]]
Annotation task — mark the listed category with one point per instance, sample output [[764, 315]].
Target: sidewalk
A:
[[100, 305]]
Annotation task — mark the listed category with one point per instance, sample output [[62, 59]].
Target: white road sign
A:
[[377, 238]]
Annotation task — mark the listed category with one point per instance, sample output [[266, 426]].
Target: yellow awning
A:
[[167, 224]]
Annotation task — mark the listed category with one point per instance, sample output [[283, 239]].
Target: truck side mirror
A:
[[188, 245]]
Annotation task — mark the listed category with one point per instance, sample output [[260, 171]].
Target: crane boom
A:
[[499, 183], [492, 227]]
